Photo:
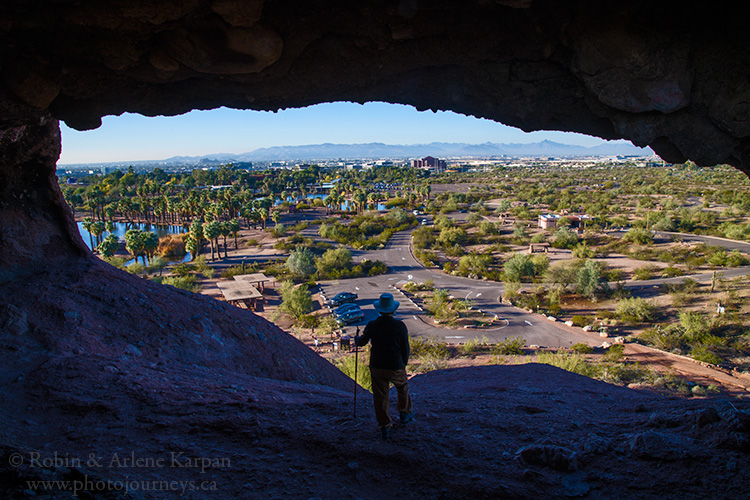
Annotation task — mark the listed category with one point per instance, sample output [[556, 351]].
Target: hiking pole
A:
[[356, 362]]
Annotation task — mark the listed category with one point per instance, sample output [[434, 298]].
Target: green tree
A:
[[565, 238], [296, 301], [450, 236], [518, 267], [334, 259], [301, 262], [474, 264], [589, 279]]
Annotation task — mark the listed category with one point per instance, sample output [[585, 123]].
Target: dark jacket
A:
[[390, 343]]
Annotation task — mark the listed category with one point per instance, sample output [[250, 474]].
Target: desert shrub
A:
[[666, 339], [427, 258], [644, 272], [376, 267], [439, 306], [638, 235], [581, 348], [136, 268], [473, 264], [575, 363], [705, 354], [614, 353], [188, 282], [429, 347], [430, 362], [475, 345], [335, 259], [347, 365], [278, 231], [636, 310], [580, 320], [296, 301], [671, 272], [590, 280], [736, 259], [172, 246], [157, 264], [301, 262], [203, 268], [183, 269], [509, 346], [423, 237], [118, 262], [623, 373], [239, 270]]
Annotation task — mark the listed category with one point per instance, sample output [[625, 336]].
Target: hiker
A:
[[388, 359]]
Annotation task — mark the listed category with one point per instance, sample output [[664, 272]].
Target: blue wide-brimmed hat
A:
[[385, 304]]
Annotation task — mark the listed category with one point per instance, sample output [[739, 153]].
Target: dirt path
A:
[[687, 368]]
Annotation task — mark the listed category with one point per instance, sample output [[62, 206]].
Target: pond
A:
[[122, 227]]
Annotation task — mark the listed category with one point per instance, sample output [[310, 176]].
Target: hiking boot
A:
[[407, 417], [385, 432]]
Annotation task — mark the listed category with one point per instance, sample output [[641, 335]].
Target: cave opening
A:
[[97, 360]]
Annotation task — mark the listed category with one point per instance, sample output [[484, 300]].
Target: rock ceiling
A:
[[671, 75]]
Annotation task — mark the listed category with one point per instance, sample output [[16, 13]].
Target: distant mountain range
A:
[[330, 151], [376, 150]]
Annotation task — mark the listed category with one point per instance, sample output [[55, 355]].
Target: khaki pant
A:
[[381, 380]]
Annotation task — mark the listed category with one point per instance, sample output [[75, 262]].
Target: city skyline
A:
[[132, 137]]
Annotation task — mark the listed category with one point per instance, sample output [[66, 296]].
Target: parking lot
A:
[[367, 294]]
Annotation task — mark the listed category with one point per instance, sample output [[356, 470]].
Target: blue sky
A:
[[132, 137]]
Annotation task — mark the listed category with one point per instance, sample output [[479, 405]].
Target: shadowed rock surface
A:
[[97, 363]]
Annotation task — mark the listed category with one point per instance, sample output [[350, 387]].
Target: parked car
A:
[[343, 298], [353, 316], [349, 306]]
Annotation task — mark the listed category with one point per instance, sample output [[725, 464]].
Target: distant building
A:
[[550, 221], [429, 163]]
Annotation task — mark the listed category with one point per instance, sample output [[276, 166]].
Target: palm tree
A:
[[134, 243], [87, 222], [211, 233], [234, 228], [97, 228], [263, 214], [224, 231], [108, 246], [150, 244], [360, 200]]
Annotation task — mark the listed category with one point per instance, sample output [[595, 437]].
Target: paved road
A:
[[701, 277], [402, 266]]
